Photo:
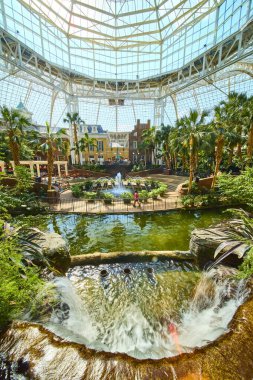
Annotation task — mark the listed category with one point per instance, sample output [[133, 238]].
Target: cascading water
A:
[[146, 310]]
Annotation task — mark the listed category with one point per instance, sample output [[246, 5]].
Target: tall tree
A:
[[86, 142], [163, 138], [74, 121], [15, 124], [192, 133], [150, 140], [222, 134], [53, 143]]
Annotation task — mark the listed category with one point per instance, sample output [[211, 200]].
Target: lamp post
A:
[[133, 157]]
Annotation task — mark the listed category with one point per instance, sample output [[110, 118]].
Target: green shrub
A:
[[19, 284], [127, 197], [144, 195], [89, 195], [108, 197], [77, 190], [154, 194]]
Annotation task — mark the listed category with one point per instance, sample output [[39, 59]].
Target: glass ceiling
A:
[[126, 39], [122, 39]]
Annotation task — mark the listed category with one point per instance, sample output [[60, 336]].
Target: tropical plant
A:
[[127, 197], [222, 134], [149, 140], [154, 194], [53, 143], [14, 123], [90, 196], [191, 134], [143, 195], [108, 198], [163, 139], [74, 121], [87, 142]]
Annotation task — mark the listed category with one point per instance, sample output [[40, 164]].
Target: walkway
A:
[[172, 200]]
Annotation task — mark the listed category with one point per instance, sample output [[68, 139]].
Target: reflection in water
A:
[[109, 233]]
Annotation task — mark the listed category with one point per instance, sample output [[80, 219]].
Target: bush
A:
[[108, 197], [77, 190], [127, 197], [90, 195], [19, 283], [144, 195], [154, 194]]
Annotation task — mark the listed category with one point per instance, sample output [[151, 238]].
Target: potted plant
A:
[[127, 197], [154, 193], [108, 198], [90, 196], [162, 190], [144, 195]]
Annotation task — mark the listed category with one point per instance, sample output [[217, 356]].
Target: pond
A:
[[135, 232]]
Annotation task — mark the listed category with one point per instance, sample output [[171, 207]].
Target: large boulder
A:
[[205, 241], [55, 249]]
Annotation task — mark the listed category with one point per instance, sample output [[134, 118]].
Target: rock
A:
[[204, 242], [50, 357], [52, 248], [56, 250]]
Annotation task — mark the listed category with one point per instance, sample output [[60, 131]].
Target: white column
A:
[[38, 169], [59, 170], [2, 166], [66, 168], [31, 169]]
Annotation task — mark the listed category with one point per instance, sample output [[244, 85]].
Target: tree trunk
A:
[[14, 148], [50, 167], [76, 144], [218, 157], [230, 156], [239, 145], [250, 145], [191, 163]]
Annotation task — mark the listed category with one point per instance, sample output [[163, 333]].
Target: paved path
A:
[[172, 200]]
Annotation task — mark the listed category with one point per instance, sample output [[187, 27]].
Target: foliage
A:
[[108, 197], [126, 195], [90, 195], [19, 283], [15, 124], [23, 177], [237, 189], [193, 200], [246, 268], [154, 193], [144, 195], [77, 190], [11, 202]]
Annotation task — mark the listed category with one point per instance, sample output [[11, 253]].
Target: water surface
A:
[[134, 232]]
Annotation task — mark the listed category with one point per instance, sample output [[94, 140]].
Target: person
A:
[[136, 198]]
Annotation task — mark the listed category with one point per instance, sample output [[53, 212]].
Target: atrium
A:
[[126, 188]]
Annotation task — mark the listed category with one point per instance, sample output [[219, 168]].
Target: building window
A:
[[91, 147], [100, 146], [134, 144]]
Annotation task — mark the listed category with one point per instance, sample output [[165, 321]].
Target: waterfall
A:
[[130, 314]]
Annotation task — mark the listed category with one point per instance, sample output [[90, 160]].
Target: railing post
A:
[[72, 204]]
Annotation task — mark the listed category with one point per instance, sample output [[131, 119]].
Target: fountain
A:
[[119, 188]]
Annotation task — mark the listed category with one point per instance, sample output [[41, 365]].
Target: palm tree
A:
[[74, 120], [191, 133], [163, 137], [15, 123], [247, 118], [233, 107], [86, 143], [150, 140], [222, 133], [52, 144]]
